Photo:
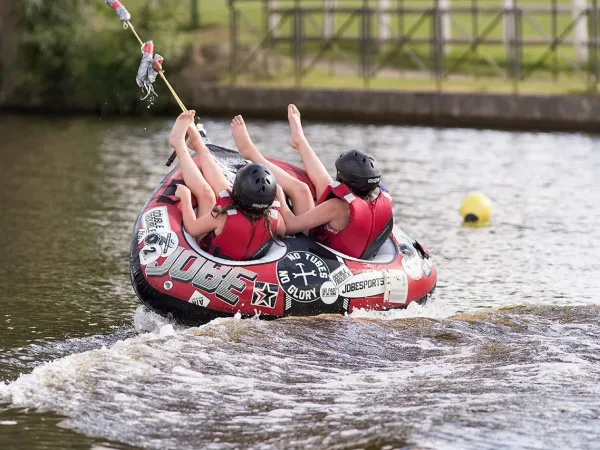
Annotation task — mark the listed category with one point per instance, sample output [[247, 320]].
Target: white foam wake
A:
[[433, 309]]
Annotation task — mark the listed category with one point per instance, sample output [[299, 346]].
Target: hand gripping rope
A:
[[150, 67]]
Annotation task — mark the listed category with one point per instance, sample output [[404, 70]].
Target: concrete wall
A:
[[496, 111], [523, 112]]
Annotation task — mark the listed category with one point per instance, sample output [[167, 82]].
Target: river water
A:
[[506, 355]]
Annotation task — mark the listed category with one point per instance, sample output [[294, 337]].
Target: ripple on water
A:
[[489, 379], [458, 373]]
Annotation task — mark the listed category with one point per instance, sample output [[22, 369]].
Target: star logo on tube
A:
[[265, 294]]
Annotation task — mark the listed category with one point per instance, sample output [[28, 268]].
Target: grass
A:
[[319, 78], [549, 72]]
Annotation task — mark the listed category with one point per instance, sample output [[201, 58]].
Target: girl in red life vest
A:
[[236, 223], [353, 214]]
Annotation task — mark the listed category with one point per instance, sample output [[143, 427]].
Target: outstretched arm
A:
[[319, 215]]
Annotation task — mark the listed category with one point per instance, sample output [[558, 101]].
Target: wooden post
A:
[[580, 31], [384, 21], [509, 30], [273, 17], [446, 23], [328, 20]]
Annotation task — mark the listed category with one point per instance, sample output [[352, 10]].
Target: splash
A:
[[336, 382], [433, 309]]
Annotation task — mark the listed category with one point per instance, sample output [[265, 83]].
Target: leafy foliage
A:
[[75, 53]]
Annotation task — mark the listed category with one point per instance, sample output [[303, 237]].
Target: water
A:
[[505, 356]]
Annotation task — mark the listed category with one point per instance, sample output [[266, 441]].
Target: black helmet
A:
[[254, 188], [359, 171]]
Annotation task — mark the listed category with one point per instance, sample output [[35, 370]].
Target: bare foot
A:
[[297, 134], [194, 135], [177, 136], [242, 138]]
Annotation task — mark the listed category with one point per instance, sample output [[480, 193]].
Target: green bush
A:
[[76, 54]]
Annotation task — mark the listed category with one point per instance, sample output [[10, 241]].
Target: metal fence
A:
[[437, 40]]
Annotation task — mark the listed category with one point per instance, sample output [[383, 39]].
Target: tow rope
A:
[[150, 67]]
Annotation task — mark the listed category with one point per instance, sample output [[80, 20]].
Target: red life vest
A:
[[371, 222], [240, 238]]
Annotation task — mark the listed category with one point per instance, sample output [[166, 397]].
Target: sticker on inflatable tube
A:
[[169, 244], [340, 275], [149, 254], [411, 260], [398, 286], [370, 284], [157, 245], [186, 266], [427, 265], [407, 250], [329, 293], [265, 294], [156, 220], [366, 284], [301, 274], [413, 267], [198, 299]]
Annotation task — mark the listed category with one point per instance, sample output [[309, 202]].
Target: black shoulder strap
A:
[[372, 249], [262, 251]]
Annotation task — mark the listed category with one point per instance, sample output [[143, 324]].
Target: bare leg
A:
[[295, 189], [314, 167], [210, 168], [191, 173]]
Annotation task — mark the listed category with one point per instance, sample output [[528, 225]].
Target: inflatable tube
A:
[[172, 276]]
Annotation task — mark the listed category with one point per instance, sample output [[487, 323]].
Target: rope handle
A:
[[121, 11], [125, 18]]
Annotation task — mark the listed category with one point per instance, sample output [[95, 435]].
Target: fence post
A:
[[509, 31], [233, 42], [328, 20], [580, 30], [446, 25], [518, 49], [384, 22], [365, 44], [298, 40], [594, 66], [273, 16], [437, 43]]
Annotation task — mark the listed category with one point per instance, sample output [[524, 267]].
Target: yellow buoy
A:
[[476, 209]]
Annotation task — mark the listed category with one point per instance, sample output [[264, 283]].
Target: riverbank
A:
[[499, 111], [576, 113]]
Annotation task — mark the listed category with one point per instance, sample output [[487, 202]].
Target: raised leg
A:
[[298, 192], [315, 169], [211, 170], [192, 176]]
